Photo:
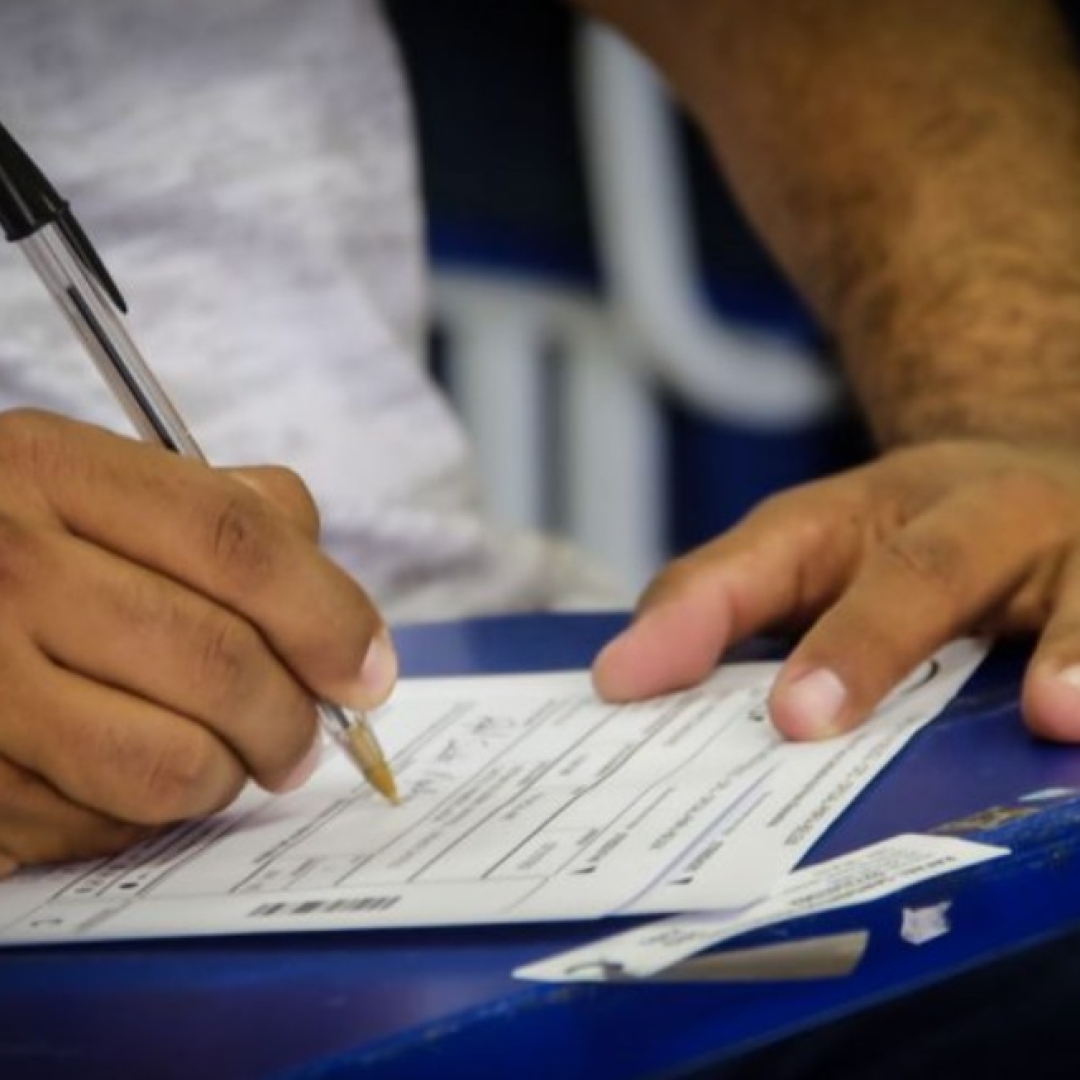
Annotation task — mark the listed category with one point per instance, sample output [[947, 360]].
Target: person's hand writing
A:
[[878, 567], [163, 629]]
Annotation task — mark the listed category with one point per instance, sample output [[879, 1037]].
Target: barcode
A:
[[342, 906]]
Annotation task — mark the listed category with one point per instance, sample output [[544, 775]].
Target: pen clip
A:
[[73, 233], [28, 201]]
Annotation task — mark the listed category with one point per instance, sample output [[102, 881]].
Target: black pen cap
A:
[[28, 201]]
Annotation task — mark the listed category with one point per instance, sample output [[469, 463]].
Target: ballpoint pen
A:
[[40, 223]]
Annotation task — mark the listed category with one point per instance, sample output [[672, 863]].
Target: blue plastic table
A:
[[442, 1003]]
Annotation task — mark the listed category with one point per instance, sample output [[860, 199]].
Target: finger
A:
[[673, 642], [108, 751], [153, 638], [37, 825], [213, 533], [787, 560], [922, 585], [1051, 692]]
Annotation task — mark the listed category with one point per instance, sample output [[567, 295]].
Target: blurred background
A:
[[633, 370]]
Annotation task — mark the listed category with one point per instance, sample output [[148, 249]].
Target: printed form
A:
[[525, 798]]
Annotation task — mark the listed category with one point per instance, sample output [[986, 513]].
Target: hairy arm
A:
[[915, 166]]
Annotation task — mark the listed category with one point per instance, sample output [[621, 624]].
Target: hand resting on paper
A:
[[936, 243], [878, 566], [163, 628]]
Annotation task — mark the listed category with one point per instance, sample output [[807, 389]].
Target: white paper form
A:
[[799, 793], [857, 878], [525, 798]]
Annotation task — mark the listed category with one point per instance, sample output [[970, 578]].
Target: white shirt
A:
[[245, 168]]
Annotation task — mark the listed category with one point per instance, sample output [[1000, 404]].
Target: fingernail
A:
[[8, 866], [811, 705], [1052, 703], [305, 769], [378, 673]]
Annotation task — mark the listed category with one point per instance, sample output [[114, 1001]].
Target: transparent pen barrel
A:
[[102, 332]]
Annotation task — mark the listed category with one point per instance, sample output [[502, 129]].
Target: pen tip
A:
[[382, 780], [373, 765]]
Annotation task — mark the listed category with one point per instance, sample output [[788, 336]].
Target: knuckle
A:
[[178, 778], [222, 650], [34, 441], [140, 774], [25, 560], [935, 563], [145, 602], [240, 681], [226, 659], [18, 788], [243, 538], [38, 825]]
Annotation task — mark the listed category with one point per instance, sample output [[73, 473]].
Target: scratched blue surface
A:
[[418, 1004]]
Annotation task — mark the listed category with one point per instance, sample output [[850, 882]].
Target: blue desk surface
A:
[[417, 1004]]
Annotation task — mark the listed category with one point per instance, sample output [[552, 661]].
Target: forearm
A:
[[915, 166]]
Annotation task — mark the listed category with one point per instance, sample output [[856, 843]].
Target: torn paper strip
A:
[[862, 876]]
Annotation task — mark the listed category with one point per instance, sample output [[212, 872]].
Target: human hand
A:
[[164, 629], [878, 567]]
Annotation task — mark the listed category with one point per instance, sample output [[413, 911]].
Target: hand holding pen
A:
[[163, 625]]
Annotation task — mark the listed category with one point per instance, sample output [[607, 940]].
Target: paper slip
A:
[[857, 878], [524, 799]]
